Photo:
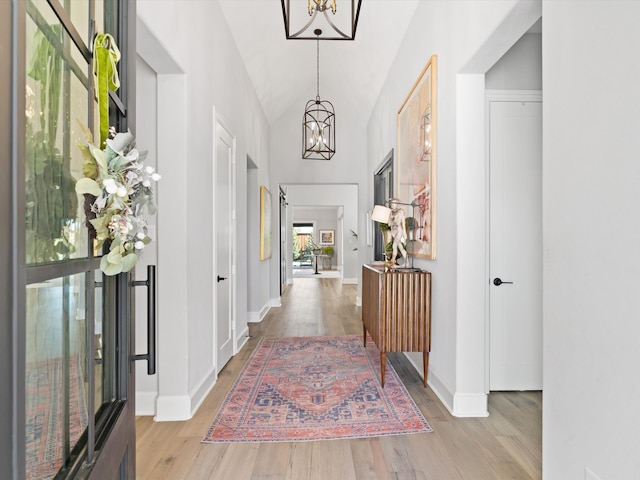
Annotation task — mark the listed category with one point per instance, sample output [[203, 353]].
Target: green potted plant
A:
[[328, 251], [386, 233]]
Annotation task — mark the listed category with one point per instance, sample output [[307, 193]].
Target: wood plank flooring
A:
[[505, 445]]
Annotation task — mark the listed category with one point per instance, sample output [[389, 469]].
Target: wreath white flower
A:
[[120, 189]]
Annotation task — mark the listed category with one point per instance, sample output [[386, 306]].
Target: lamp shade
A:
[[381, 214]]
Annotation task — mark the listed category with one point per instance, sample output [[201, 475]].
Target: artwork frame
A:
[[327, 237], [265, 223], [416, 160]]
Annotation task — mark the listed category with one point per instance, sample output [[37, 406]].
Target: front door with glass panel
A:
[[79, 420]]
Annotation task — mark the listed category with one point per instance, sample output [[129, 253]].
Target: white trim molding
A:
[[173, 408], [242, 338], [275, 302], [470, 405], [199, 393], [146, 404]]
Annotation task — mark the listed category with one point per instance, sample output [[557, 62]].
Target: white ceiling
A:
[[283, 71]]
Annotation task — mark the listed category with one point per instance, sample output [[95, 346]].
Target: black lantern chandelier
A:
[[319, 122], [301, 17]]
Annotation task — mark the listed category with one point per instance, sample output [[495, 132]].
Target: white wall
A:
[[205, 77], [591, 173], [146, 139], [468, 38], [254, 305], [520, 68]]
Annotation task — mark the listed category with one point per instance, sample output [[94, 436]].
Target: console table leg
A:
[[383, 366], [425, 361]]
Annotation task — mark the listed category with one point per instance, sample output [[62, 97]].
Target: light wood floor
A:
[[506, 445]]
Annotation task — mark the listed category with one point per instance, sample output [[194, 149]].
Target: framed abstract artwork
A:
[[265, 223], [327, 237], [416, 157]]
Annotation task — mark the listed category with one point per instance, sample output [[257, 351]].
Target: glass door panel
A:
[[56, 374], [99, 12], [78, 13], [56, 116]]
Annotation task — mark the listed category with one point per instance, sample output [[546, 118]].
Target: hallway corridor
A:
[[507, 444]]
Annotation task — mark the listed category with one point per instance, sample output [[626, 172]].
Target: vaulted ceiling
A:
[[283, 71]]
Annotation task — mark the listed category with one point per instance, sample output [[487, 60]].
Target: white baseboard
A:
[[458, 404], [264, 310], [173, 408], [441, 389], [470, 405], [257, 317], [199, 393], [275, 302], [349, 281], [242, 339], [146, 403]]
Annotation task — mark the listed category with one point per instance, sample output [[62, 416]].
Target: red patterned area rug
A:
[[315, 388], [46, 426]]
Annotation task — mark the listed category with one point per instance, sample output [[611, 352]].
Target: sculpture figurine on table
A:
[[398, 230]]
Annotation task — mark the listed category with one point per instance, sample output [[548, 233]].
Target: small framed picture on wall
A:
[[326, 237], [265, 223]]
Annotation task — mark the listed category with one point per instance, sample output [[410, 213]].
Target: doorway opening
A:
[[327, 215], [302, 245], [382, 191]]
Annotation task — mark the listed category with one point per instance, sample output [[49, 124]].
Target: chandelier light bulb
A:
[[321, 6]]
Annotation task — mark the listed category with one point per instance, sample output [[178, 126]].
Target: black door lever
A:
[[498, 281], [221, 278]]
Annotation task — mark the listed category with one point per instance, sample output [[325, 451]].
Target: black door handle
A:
[[150, 283], [498, 281], [221, 278]]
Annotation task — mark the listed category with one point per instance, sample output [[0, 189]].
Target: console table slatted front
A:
[[396, 312]]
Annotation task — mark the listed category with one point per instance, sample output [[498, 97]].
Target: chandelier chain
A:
[[318, 68]]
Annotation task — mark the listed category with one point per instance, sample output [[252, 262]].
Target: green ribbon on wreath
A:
[[105, 57]]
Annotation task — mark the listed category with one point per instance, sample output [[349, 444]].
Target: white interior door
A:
[[515, 305], [224, 161]]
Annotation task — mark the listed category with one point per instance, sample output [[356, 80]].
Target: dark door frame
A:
[[383, 188], [283, 235], [12, 253]]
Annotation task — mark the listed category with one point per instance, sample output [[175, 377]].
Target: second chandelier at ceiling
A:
[[318, 122]]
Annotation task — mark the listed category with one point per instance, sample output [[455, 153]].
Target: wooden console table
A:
[[396, 311]]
